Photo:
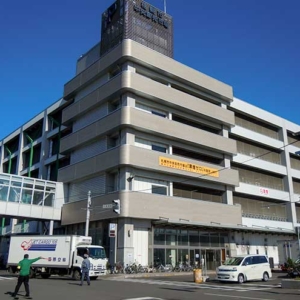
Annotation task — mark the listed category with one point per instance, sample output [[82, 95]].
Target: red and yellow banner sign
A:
[[181, 165]]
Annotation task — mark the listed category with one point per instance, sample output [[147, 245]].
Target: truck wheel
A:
[[45, 276], [93, 277], [32, 273], [76, 275]]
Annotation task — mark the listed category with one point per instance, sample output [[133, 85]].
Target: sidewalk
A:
[[210, 274]]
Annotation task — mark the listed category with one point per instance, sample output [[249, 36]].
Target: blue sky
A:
[[253, 45]]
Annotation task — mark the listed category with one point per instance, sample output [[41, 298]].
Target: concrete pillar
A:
[[288, 180], [128, 66], [125, 250], [228, 196], [171, 189], [13, 224]]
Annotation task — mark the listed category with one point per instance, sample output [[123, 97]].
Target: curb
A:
[[150, 275]]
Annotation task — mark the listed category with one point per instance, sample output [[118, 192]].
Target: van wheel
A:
[[265, 276], [240, 278]]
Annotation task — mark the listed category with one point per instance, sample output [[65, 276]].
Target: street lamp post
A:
[[88, 213]]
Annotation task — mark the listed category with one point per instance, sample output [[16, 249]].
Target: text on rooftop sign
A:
[[151, 13]]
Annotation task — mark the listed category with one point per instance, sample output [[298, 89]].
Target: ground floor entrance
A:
[[205, 258], [206, 249]]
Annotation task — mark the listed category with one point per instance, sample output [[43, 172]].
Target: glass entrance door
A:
[[212, 258]]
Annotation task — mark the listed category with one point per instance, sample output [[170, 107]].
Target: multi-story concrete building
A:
[[198, 173]]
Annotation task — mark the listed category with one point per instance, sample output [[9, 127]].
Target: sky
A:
[[252, 45]]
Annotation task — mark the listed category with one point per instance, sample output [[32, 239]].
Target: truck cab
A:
[[97, 258]]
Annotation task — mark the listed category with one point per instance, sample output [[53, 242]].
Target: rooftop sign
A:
[[152, 13]]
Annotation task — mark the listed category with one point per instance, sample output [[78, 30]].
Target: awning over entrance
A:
[[223, 227]]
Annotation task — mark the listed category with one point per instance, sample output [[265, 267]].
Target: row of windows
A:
[[254, 260], [259, 152], [293, 140], [261, 209], [255, 125], [199, 195], [296, 186], [146, 144], [295, 163], [177, 237], [260, 179]]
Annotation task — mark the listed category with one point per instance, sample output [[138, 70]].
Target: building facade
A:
[[199, 174]]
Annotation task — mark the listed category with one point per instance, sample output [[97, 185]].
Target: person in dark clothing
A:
[[24, 267], [85, 269]]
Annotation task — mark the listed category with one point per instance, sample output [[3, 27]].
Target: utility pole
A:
[[88, 213]]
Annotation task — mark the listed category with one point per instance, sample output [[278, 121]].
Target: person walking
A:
[[24, 267], [85, 269]]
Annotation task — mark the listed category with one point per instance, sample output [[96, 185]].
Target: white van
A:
[[244, 268]]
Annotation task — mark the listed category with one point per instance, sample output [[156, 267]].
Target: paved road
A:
[[147, 288]]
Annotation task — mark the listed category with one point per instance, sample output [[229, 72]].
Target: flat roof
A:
[[214, 225]]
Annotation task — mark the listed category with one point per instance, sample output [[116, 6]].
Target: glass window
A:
[[161, 190], [171, 237], [194, 238], [159, 236], [26, 196], [3, 192], [183, 237], [96, 253], [160, 114], [38, 197], [159, 257], [183, 256], [14, 194], [16, 183], [159, 148], [233, 261], [262, 259], [214, 240], [49, 199], [204, 240], [249, 261], [171, 257], [82, 251]]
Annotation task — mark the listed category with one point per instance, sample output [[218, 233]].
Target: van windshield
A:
[[233, 261]]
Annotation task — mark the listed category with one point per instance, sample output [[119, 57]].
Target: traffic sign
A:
[[107, 206], [112, 229]]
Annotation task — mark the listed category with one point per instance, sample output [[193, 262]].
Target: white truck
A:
[[64, 255]]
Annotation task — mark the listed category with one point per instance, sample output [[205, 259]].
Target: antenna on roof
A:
[[165, 6]]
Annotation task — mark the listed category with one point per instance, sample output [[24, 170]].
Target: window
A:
[[161, 190], [157, 113], [159, 148], [262, 259], [151, 145], [248, 261], [150, 110], [82, 251]]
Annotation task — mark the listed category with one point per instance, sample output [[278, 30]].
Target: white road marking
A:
[[144, 298], [239, 288], [240, 297], [7, 278]]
